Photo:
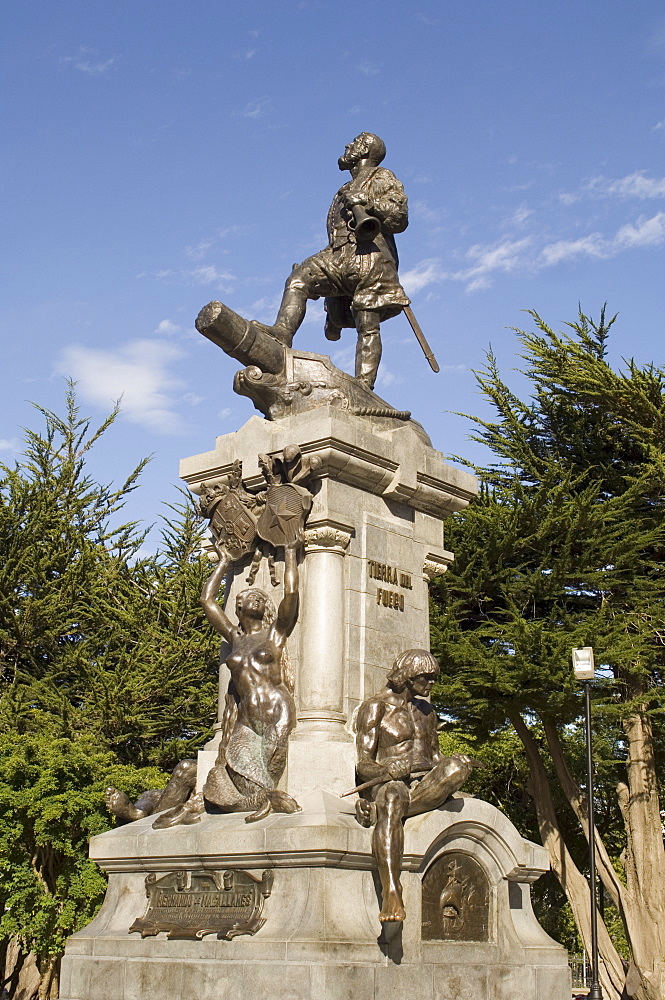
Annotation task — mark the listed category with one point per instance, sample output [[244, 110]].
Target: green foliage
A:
[[564, 547], [108, 670], [51, 803], [94, 636]]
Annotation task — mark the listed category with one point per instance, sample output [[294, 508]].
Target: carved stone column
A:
[[320, 684]]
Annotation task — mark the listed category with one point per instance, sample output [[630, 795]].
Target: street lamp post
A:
[[583, 668]]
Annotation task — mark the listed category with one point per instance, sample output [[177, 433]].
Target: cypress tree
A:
[[564, 548]]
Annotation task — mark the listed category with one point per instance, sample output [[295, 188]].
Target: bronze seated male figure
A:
[[398, 753]]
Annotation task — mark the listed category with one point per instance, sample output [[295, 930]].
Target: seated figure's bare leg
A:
[[182, 815], [433, 790], [368, 349], [148, 802], [392, 802], [127, 811], [180, 786], [121, 806]]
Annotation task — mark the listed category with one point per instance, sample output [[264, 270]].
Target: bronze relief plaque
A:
[[456, 900], [191, 904]]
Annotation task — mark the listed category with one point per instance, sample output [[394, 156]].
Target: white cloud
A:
[[136, 371], [368, 68], [524, 255], [193, 398], [12, 445], [635, 185], [427, 272], [643, 232], [659, 125], [506, 256], [167, 328], [255, 109], [199, 251], [208, 274], [85, 62], [519, 216], [264, 309], [315, 314], [225, 413], [386, 378], [421, 210], [592, 245], [344, 357]]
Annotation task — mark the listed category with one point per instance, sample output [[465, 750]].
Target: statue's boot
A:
[[291, 311], [331, 331], [368, 356]]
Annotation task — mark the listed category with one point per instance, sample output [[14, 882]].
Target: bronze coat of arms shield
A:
[[232, 523], [282, 519]]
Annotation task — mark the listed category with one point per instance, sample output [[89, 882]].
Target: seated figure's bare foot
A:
[[275, 801], [392, 909], [365, 812], [119, 803], [283, 803], [184, 815]]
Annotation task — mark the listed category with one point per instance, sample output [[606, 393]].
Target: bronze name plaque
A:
[[191, 904], [456, 900]]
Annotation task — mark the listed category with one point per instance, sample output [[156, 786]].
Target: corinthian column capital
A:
[[328, 537]]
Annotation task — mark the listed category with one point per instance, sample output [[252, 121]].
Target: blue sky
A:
[[157, 156]]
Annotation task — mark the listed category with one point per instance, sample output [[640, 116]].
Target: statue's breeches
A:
[[367, 277]]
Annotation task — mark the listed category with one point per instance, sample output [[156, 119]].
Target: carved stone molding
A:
[[436, 565], [327, 536]]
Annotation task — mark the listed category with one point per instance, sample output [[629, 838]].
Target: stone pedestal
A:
[[321, 939], [373, 541]]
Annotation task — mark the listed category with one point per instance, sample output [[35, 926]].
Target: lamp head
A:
[[583, 663]]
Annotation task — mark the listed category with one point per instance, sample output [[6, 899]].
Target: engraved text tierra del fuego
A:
[[392, 575]]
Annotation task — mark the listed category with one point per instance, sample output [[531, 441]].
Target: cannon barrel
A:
[[246, 341]]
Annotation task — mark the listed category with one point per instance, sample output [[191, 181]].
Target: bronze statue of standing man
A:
[[357, 271]]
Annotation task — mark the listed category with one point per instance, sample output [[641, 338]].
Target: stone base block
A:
[[322, 939], [316, 764]]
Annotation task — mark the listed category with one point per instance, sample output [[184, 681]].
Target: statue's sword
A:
[[378, 781], [420, 337]]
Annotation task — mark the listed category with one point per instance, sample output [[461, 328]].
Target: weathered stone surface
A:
[[321, 936]]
